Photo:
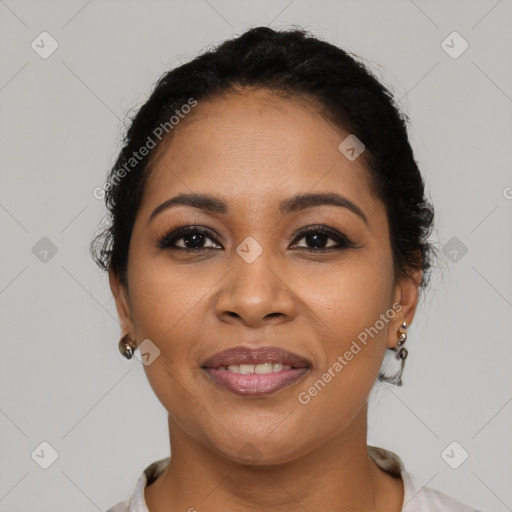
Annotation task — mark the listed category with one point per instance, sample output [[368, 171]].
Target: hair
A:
[[292, 63]]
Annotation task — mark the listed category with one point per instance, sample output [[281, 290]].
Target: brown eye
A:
[[317, 237], [194, 238]]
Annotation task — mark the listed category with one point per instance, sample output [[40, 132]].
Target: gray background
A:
[[62, 378]]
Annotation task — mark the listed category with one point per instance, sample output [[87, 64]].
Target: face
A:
[[248, 275]]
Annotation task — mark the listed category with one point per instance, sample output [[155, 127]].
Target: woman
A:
[[267, 247]]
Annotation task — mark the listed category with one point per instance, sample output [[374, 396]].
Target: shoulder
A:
[[425, 499], [137, 502], [431, 500], [417, 498], [122, 506]]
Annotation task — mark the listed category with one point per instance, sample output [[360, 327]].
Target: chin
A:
[[259, 448]]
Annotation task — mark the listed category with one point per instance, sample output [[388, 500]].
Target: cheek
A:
[[348, 297], [348, 308], [352, 353], [166, 298], [170, 307]]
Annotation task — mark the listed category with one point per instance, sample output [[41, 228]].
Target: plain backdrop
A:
[[63, 381]]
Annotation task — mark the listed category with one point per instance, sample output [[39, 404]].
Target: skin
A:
[[253, 149]]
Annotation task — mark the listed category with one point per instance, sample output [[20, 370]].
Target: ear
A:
[[122, 300], [405, 302]]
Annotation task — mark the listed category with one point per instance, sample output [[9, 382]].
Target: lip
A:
[[244, 355], [255, 384]]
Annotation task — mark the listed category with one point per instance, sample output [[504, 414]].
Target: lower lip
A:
[[255, 384]]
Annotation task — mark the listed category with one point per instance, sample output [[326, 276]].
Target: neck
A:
[[338, 475]]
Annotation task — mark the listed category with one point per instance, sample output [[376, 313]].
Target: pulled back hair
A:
[[292, 63]]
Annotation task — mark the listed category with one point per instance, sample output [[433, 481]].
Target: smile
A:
[[255, 372]]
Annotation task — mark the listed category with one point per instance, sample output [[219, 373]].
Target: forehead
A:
[[254, 145]]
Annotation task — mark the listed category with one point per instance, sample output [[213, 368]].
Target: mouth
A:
[[255, 372]]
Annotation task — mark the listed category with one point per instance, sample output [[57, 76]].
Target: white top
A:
[[416, 497]]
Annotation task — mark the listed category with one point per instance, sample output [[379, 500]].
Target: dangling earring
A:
[[127, 346], [402, 352]]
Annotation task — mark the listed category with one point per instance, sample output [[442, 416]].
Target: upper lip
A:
[[245, 355]]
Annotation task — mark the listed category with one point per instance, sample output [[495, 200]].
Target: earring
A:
[[402, 352], [127, 346]]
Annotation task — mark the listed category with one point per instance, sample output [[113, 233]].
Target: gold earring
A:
[[127, 346]]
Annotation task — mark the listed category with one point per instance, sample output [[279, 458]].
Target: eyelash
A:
[[167, 241]]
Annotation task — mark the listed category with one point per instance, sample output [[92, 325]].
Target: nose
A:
[[255, 294]]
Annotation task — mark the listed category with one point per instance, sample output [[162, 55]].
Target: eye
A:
[[318, 237], [194, 238]]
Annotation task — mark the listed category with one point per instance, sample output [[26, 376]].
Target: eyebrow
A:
[[293, 204]]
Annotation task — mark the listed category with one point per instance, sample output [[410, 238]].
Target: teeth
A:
[[263, 368], [247, 369]]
